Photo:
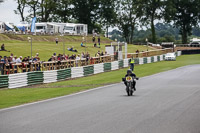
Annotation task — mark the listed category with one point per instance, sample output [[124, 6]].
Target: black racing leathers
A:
[[134, 83]]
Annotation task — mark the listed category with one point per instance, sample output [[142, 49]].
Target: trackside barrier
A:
[[88, 70], [114, 65], [63, 74], [161, 57], [107, 67], [98, 68], [50, 76], [77, 72], [158, 58], [121, 64], [35, 78], [141, 61], [155, 58], [17, 80], [152, 59], [38, 77], [126, 62], [3, 81], [136, 61], [148, 59], [145, 60]]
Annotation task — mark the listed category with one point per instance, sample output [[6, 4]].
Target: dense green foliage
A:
[[127, 15]]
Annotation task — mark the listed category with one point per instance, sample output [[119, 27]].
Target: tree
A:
[[63, 10], [33, 4], [20, 8], [185, 14], [152, 11], [86, 11], [129, 13], [1, 1], [108, 16]]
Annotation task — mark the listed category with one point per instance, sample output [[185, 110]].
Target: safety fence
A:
[[39, 77], [150, 53], [12, 68]]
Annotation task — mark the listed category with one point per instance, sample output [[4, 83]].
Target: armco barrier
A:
[[148, 59], [161, 57], [3, 81], [155, 58], [17, 80], [152, 59], [77, 72], [32, 78], [35, 78], [158, 58], [141, 61], [50, 76], [88, 70], [136, 61], [107, 67], [98, 68], [145, 60], [121, 64], [126, 62], [63, 74], [114, 65]]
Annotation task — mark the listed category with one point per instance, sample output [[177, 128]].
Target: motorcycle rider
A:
[[130, 73]]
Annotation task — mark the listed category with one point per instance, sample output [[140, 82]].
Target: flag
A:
[[33, 24]]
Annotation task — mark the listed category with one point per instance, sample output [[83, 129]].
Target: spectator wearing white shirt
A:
[[19, 60], [14, 59]]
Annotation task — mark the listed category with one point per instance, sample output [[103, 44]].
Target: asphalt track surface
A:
[[168, 102]]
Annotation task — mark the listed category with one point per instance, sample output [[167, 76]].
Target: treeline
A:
[[164, 33], [127, 15]]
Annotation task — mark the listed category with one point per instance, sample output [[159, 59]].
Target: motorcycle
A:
[[129, 84]]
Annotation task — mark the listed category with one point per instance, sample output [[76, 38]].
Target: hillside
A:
[[46, 46], [46, 38]]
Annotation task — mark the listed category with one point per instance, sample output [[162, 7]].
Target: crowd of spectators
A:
[[20, 59]]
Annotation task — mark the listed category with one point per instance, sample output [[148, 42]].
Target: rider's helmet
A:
[[129, 72]]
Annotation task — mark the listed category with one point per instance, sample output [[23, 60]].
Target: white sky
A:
[[7, 12]]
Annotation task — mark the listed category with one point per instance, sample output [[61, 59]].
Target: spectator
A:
[[82, 55], [99, 40], [37, 56], [56, 39], [11, 55], [82, 44], [19, 60], [25, 59], [50, 59], [77, 60], [106, 53], [14, 59], [102, 53], [93, 39], [3, 47]]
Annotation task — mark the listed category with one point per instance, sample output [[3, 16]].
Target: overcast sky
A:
[[7, 12]]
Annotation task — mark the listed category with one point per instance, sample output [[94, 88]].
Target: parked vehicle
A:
[[75, 29], [2, 27], [170, 56]]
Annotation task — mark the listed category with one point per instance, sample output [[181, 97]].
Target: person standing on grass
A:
[[99, 40], [56, 39], [132, 62]]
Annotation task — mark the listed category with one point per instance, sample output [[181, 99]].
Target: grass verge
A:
[[13, 97]]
